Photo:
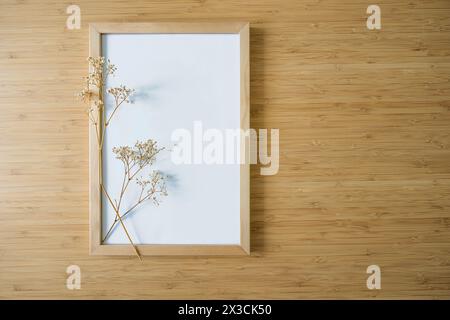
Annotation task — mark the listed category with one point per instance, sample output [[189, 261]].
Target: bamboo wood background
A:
[[364, 153]]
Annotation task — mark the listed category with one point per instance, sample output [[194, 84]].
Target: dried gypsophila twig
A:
[[141, 156], [95, 82], [135, 160], [97, 115]]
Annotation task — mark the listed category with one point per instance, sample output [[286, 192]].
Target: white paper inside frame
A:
[[179, 79]]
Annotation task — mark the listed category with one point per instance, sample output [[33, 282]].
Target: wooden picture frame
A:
[[96, 30]]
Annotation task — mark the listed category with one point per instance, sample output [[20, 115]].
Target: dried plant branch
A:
[[153, 188], [121, 94], [142, 155], [135, 159], [121, 222]]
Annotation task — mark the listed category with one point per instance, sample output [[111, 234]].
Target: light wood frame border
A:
[[95, 211]]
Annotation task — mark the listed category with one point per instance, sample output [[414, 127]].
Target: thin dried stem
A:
[[121, 222], [123, 188], [114, 111], [141, 200]]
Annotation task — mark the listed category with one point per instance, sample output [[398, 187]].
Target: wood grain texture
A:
[[364, 153], [95, 158], [245, 144]]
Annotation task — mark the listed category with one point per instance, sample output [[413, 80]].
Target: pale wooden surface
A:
[[245, 145], [95, 158], [364, 175]]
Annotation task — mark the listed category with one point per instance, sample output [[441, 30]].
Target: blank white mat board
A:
[[179, 79]]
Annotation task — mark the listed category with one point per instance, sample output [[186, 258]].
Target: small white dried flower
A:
[[123, 153], [100, 69], [84, 94], [98, 104], [121, 94], [142, 154], [154, 187], [110, 68]]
